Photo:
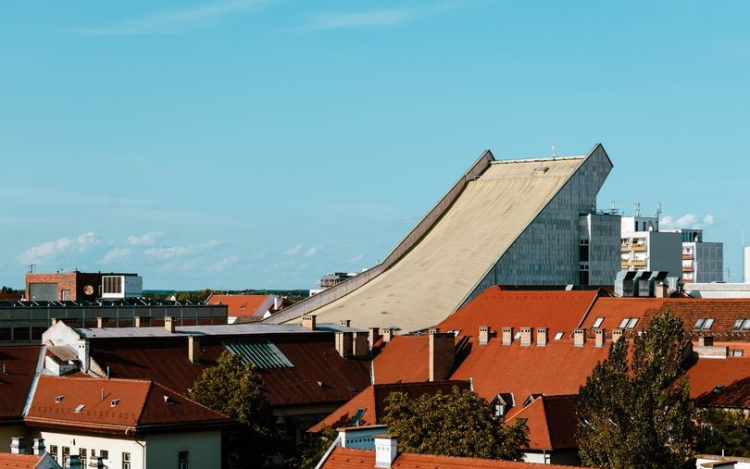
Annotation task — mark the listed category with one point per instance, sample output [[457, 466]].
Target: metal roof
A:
[[262, 354], [219, 330]]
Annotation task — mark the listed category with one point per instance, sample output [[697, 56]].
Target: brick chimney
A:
[[99, 322], [361, 344], [599, 338], [525, 336], [442, 355], [137, 321], [17, 445], [346, 322], [579, 337], [309, 322], [194, 349], [507, 335], [706, 341], [541, 336], [387, 334], [484, 335], [386, 450], [39, 448], [344, 344], [617, 334], [169, 324], [372, 336]]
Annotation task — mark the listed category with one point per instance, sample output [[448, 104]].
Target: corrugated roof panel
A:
[[262, 354]]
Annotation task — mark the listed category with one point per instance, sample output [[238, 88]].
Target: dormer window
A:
[[598, 322], [741, 324], [704, 323]]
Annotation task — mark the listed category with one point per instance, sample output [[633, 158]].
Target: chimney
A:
[[484, 335], [706, 341], [346, 322], [361, 344], [372, 336], [507, 335], [442, 355], [661, 290], [53, 321], [617, 334], [599, 338], [308, 322], [344, 344], [99, 322], [74, 461], [137, 321], [276, 303], [579, 337], [387, 334], [84, 355], [525, 336], [194, 349], [39, 448], [541, 336], [386, 450], [169, 324], [17, 445]]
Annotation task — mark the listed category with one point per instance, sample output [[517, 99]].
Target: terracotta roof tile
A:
[[347, 458], [17, 369], [731, 374], [552, 422], [404, 358], [373, 400], [18, 461], [241, 305]]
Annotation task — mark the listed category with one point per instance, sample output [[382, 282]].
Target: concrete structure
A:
[[82, 286], [702, 262], [650, 250], [504, 222]]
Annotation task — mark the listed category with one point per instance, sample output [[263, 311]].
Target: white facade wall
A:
[[115, 446], [547, 252]]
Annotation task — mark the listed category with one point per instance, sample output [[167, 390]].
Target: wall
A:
[[204, 449], [604, 248], [9, 431], [65, 281], [665, 253], [710, 262], [113, 444]]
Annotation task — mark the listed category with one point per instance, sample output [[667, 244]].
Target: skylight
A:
[[632, 323], [628, 323], [79, 408], [598, 322], [741, 324], [704, 323], [623, 323], [558, 336]]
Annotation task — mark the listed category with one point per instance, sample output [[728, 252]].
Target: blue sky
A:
[[250, 143]]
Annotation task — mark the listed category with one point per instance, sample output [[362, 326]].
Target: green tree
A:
[[637, 413], [723, 432], [460, 423], [236, 390]]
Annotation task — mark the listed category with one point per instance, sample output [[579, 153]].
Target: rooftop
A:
[[18, 366]]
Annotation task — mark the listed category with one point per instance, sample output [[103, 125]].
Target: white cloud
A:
[[223, 264], [368, 19], [172, 252], [294, 251], [114, 255], [148, 239], [49, 250], [311, 252], [176, 21], [357, 258], [688, 220]]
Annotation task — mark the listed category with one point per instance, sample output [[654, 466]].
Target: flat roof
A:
[[217, 330]]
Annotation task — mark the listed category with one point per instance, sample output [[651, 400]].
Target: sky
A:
[[235, 144]]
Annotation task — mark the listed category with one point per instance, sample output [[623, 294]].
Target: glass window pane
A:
[[709, 322]]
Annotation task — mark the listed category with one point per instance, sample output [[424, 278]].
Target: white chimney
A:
[[17, 446], [169, 324], [84, 354], [599, 338], [386, 450], [579, 337], [541, 336], [309, 322], [387, 334], [484, 335], [525, 336], [39, 448], [276, 303], [507, 335]]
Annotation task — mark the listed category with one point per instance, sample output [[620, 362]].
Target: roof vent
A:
[[718, 388], [321, 384], [58, 399], [542, 169], [168, 400], [79, 408], [114, 402]]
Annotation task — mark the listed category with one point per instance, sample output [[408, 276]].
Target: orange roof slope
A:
[[114, 405], [19, 461], [347, 458], [552, 422], [373, 401], [560, 311], [240, 305], [731, 375], [614, 310], [18, 367], [404, 358]]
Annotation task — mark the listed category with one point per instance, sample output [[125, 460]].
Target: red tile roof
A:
[[347, 458], [115, 405], [552, 422], [19, 461], [404, 358], [732, 374], [614, 310], [241, 305], [497, 308], [314, 357], [19, 364], [373, 401]]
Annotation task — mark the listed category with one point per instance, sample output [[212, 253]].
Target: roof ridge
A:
[[143, 404]]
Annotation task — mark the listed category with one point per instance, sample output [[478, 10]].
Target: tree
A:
[[724, 432], [457, 424], [236, 390], [637, 413]]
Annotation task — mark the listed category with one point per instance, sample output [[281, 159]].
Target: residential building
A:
[[702, 262], [248, 308], [82, 286], [27, 461], [518, 222], [644, 247]]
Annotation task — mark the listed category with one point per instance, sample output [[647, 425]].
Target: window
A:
[[83, 455], [623, 323], [65, 295], [741, 324], [182, 460], [125, 460], [558, 336], [66, 456], [628, 323], [104, 454], [598, 322], [704, 323], [53, 452], [632, 322]]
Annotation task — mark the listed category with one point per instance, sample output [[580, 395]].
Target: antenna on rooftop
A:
[[31, 268], [658, 211], [554, 150], [637, 209]]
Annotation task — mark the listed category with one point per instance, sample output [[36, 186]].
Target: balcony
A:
[[687, 257]]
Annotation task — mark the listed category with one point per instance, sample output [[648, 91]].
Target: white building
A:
[[702, 262], [644, 247]]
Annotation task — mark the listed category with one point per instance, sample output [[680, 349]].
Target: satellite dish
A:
[[88, 290]]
